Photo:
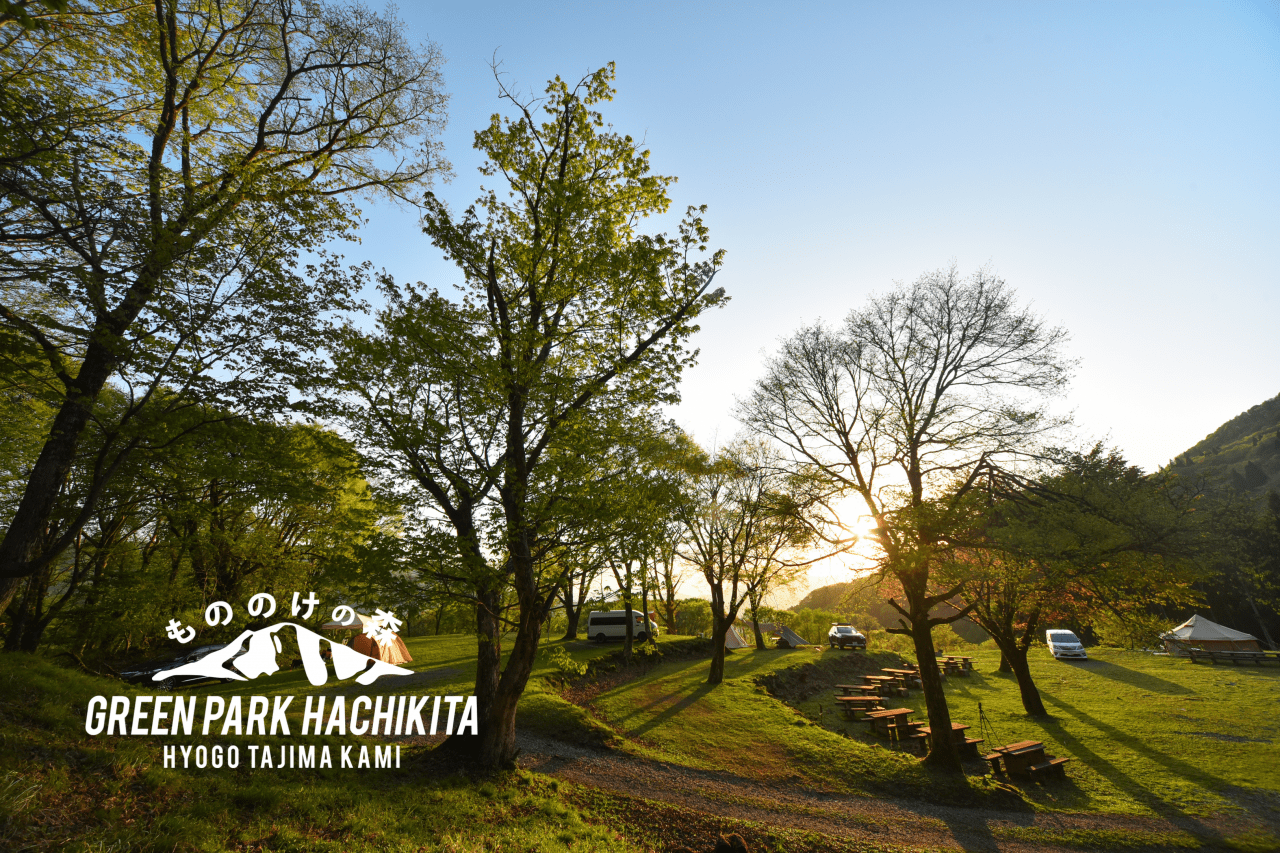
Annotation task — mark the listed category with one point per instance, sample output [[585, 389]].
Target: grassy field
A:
[[1148, 736], [62, 790]]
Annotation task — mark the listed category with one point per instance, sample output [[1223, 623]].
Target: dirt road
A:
[[872, 824]]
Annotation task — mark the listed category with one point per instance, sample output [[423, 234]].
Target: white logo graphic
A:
[[253, 653]]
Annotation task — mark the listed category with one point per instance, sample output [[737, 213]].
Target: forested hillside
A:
[[1243, 453]]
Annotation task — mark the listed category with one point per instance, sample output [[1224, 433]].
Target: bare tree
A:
[[747, 523], [906, 405]]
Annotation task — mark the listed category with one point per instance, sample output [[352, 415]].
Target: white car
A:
[[1064, 644], [605, 625]]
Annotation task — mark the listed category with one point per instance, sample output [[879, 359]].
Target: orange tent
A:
[[393, 653]]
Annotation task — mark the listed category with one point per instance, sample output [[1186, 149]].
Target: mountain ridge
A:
[[1243, 453]]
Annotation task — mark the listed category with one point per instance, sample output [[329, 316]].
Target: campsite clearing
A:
[[731, 757]]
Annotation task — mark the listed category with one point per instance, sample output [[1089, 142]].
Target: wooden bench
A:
[[969, 746], [850, 705], [917, 740], [1052, 766], [1236, 658], [850, 689], [993, 758]]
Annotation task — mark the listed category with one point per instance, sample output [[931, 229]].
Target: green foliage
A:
[[165, 168], [235, 508], [564, 663], [693, 617], [945, 640], [812, 624], [1244, 452], [1136, 630], [489, 413], [860, 601]]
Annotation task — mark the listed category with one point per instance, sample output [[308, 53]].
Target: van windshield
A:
[[1063, 637]]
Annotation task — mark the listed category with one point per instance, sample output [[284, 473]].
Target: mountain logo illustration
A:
[[253, 654]]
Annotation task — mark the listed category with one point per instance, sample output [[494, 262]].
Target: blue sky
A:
[[1116, 163]]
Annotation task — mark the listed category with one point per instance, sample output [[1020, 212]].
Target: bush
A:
[[1135, 630], [945, 640], [693, 616]]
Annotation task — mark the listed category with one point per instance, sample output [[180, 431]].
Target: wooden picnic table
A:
[[950, 666], [850, 689], [909, 677], [956, 729], [887, 683], [1018, 757], [889, 721], [850, 705], [1026, 758], [968, 745]]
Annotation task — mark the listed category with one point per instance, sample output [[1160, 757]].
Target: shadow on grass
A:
[[700, 691], [1122, 781], [1150, 683]]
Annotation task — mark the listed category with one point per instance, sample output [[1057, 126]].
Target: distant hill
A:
[[830, 597], [867, 610], [1243, 453]]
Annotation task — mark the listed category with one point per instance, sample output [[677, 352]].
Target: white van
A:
[[1064, 644], [612, 625]]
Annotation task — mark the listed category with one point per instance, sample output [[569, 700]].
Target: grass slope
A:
[[1149, 735], [1244, 452]]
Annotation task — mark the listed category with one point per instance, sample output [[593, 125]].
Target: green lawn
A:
[[62, 790], [1148, 735]]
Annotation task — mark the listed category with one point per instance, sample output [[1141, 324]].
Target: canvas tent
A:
[[396, 653], [733, 640], [791, 638], [1198, 632]]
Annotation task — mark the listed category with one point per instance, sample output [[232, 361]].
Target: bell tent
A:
[[394, 652], [1198, 632]]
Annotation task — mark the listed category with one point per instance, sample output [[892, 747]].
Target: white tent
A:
[[733, 640], [1200, 633]]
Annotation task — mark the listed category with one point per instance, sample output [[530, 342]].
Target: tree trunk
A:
[[488, 667], [571, 613], [942, 753], [1004, 663], [1031, 701], [755, 625], [1266, 635], [644, 605], [496, 747], [719, 630], [20, 615]]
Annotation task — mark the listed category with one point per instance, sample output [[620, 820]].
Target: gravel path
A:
[[906, 825]]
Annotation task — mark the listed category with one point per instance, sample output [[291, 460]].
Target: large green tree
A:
[[485, 412], [162, 165], [1091, 536]]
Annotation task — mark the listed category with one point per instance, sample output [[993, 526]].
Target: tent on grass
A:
[[1200, 633], [394, 653], [790, 638], [733, 640]]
